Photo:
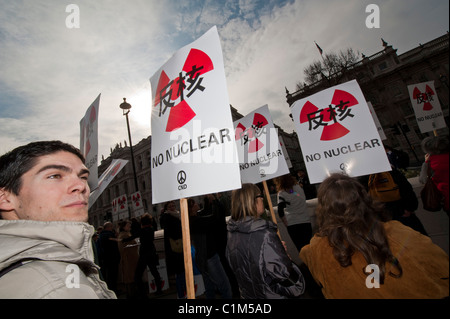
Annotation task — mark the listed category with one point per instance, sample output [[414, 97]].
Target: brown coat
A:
[[425, 268]]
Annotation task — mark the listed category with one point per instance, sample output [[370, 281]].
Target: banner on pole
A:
[[113, 169], [426, 106], [89, 141], [193, 151], [337, 133], [261, 156]]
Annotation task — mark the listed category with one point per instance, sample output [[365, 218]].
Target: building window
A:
[[382, 66]]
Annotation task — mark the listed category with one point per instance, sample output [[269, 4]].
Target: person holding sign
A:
[[355, 254], [293, 211], [255, 252], [173, 245], [436, 149], [206, 226]]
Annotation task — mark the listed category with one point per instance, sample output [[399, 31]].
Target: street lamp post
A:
[[126, 109]]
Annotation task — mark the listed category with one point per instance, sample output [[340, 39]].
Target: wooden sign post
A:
[[188, 269], [269, 201]]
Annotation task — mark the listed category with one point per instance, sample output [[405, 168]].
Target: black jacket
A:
[[259, 261]]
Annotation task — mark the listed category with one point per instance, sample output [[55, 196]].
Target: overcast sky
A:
[[50, 74]]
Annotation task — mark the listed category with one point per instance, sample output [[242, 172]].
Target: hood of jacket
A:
[[249, 225], [55, 241]]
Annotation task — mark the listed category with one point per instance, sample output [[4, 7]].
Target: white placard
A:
[[426, 106], [137, 205], [193, 150], [337, 133], [108, 175], [120, 207], [261, 156]]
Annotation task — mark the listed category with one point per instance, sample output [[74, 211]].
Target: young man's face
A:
[[55, 189]]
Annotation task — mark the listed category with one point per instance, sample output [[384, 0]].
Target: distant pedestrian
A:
[[110, 255], [170, 221], [293, 210], [147, 255]]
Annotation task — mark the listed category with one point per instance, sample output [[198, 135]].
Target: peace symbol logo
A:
[[181, 177]]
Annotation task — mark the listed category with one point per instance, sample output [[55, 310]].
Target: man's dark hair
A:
[[23, 158]]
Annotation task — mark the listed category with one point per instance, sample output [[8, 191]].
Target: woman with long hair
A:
[[357, 255], [256, 254]]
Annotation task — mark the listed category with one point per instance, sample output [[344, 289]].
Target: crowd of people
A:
[[366, 245]]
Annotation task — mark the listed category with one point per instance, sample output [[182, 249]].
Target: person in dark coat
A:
[[147, 255], [110, 255], [255, 252], [173, 245], [205, 229]]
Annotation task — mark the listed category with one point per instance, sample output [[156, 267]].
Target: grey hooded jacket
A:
[[49, 260], [259, 261]]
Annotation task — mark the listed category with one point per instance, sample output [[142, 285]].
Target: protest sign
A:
[[120, 208], [261, 156], [193, 151], [89, 141], [426, 106], [137, 205], [337, 133]]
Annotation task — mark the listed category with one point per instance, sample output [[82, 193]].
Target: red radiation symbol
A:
[[170, 95], [424, 98], [122, 202], [251, 135], [136, 199], [329, 117]]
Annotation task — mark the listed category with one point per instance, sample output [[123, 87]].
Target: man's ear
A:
[[6, 200]]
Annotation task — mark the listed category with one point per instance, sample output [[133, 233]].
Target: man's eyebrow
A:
[[62, 168]]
